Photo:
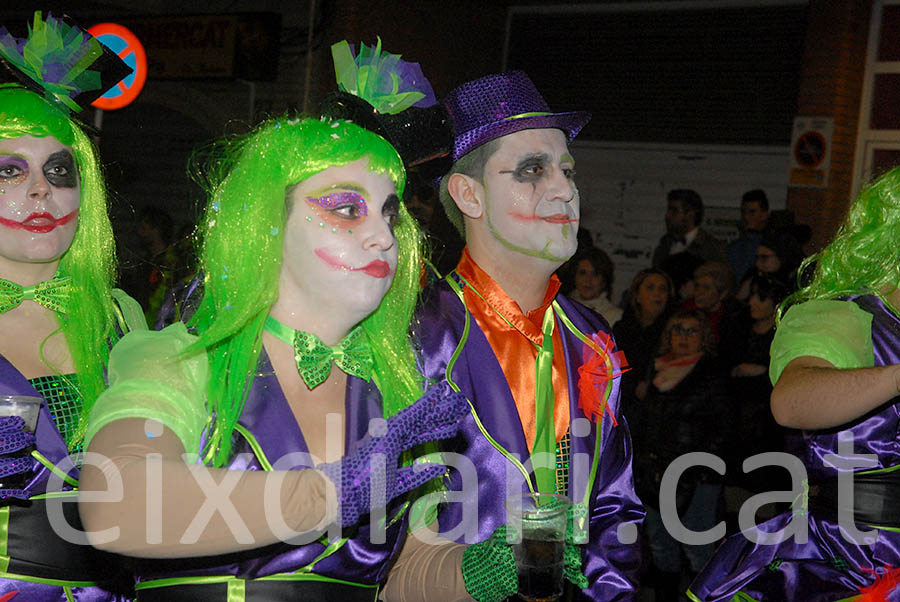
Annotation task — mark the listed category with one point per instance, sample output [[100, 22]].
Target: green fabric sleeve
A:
[[838, 332], [149, 379], [130, 311]]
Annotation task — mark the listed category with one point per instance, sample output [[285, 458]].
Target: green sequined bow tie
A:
[[353, 354], [52, 294]]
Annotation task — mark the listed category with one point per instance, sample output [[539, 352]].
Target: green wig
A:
[[89, 325], [242, 232], [864, 252]]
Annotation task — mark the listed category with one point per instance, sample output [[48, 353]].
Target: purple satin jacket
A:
[[33, 548], [476, 509], [269, 418], [827, 567]]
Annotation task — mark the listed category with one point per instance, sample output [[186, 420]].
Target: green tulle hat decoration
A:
[[63, 60], [381, 78]]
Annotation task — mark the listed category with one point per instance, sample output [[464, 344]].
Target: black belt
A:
[[36, 550], [876, 499], [261, 591]]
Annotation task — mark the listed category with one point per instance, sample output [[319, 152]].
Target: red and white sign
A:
[[120, 40]]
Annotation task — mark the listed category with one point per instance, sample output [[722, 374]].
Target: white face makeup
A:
[[339, 248], [39, 199], [531, 203]]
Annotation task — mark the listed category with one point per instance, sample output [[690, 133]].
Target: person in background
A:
[[714, 297], [754, 219], [681, 267], [566, 272], [752, 427], [651, 299], [594, 273], [681, 413], [684, 216], [778, 255], [59, 313]]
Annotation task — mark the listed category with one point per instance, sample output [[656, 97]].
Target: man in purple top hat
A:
[[541, 372]]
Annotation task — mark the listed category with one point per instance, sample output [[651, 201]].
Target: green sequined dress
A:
[[63, 400]]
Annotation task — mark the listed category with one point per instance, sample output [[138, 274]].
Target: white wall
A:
[[623, 192]]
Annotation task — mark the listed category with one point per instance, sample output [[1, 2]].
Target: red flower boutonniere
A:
[[598, 376], [884, 584]]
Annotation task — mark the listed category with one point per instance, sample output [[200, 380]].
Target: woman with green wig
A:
[[835, 365], [284, 408], [58, 315]]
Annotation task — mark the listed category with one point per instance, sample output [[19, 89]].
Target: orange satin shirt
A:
[[516, 346]]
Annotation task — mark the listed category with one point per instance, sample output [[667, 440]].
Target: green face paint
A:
[[541, 254], [532, 226]]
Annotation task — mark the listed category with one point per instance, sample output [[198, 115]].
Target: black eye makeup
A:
[[391, 210], [60, 170], [533, 167], [530, 168]]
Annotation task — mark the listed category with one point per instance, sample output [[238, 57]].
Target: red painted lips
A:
[[38, 223]]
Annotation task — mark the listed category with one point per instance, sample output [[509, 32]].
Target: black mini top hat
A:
[[61, 62], [392, 98]]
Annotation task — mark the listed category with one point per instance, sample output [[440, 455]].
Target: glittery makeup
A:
[[13, 170], [342, 208], [338, 200]]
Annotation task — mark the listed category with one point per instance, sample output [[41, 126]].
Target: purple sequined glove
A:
[[14, 470], [434, 416]]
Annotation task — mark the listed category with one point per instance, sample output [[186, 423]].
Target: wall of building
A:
[[831, 83]]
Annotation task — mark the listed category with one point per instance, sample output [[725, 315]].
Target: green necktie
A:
[[353, 354], [545, 402], [52, 294]]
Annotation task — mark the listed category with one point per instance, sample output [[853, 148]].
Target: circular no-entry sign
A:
[[120, 40], [809, 150]]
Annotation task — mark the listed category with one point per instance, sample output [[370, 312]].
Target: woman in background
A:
[[681, 413], [594, 283], [650, 298]]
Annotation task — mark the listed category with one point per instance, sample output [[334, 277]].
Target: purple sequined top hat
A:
[[501, 104]]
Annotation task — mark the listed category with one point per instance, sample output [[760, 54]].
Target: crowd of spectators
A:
[[696, 326]]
